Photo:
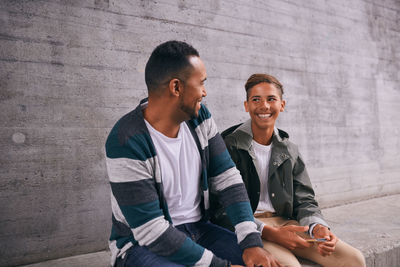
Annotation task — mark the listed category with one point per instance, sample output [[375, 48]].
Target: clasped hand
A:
[[286, 236], [325, 248]]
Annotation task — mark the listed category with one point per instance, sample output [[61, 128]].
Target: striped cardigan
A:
[[139, 209]]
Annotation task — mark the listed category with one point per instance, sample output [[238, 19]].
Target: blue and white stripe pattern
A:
[[140, 213]]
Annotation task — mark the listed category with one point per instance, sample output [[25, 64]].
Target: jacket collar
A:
[[279, 152], [244, 135]]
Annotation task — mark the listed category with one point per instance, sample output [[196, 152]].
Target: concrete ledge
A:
[[371, 226], [97, 259]]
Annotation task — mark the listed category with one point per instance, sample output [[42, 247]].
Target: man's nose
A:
[[265, 104], [204, 92]]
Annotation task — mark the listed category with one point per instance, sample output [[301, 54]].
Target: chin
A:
[[194, 115], [263, 125]]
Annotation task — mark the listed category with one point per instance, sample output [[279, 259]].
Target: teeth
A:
[[264, 116]]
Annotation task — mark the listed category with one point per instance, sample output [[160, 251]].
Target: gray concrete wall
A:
[[70, 69]]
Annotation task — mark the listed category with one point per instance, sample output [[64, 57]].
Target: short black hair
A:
[[168, 60]]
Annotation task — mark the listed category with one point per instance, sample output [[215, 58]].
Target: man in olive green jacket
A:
[[279, 188]]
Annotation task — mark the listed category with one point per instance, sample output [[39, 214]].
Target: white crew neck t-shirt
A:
[[180, 173], [263, 155]]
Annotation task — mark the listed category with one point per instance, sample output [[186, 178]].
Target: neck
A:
[[262, 136], [160, 115]]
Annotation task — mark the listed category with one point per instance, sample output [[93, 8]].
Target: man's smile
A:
[[264, 115]]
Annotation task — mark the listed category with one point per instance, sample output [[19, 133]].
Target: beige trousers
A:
[[343, 256]]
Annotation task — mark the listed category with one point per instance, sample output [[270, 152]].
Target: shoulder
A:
[[283, 140], [230, 136], [129, 138], [230, 130]]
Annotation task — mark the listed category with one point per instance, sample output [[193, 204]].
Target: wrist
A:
[[269, 233]]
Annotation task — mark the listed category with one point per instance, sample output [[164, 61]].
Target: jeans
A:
[[222, 242]]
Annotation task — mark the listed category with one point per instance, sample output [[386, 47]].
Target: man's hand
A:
[[257, 256], [286, 236], [325, 248]]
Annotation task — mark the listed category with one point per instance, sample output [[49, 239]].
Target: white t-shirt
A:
[[180, 173], [263, 155]]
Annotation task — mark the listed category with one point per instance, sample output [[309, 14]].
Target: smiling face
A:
[[193, 89], [264, 104]]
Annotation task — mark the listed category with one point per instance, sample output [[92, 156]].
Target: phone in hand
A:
[[316, 240]]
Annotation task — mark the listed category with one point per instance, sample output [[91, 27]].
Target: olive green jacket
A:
[[290, 189]]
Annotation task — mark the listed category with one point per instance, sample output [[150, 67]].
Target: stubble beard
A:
[[189, 111]]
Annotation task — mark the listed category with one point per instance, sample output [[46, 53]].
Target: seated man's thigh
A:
[[138, 256], [278, 221], [282, 254], [222, 242], [344, 255]]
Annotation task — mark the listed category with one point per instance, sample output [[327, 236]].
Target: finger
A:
[[273, 263], [279, 264], [250, 263], [320, 251], [327, 249], [301, 242], [334, 239], [297, 228], [262, 264], [328, 244]]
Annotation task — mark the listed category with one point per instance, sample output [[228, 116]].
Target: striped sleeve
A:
[[134, 178], [226, 181]]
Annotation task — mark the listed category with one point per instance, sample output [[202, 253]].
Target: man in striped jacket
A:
[[164, 159]]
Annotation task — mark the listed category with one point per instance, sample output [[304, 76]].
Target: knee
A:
[[357, 259]]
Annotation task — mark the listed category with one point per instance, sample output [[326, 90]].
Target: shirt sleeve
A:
[[227, 183], [305, 206]]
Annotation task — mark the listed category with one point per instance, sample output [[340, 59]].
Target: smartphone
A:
[[316, 240]]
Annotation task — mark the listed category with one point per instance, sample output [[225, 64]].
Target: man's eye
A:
[[256, 99], [271, 99]]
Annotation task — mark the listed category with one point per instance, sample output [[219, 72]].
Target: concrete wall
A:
[[70, 69]]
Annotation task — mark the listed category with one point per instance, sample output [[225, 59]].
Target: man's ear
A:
[[283, 105], [245, 106], [174, 87]]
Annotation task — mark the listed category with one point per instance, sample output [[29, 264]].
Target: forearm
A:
[[237, 206], [269, 233], [161, 238], [305, 207]]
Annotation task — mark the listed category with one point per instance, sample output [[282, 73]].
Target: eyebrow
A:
[[265, 96]]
